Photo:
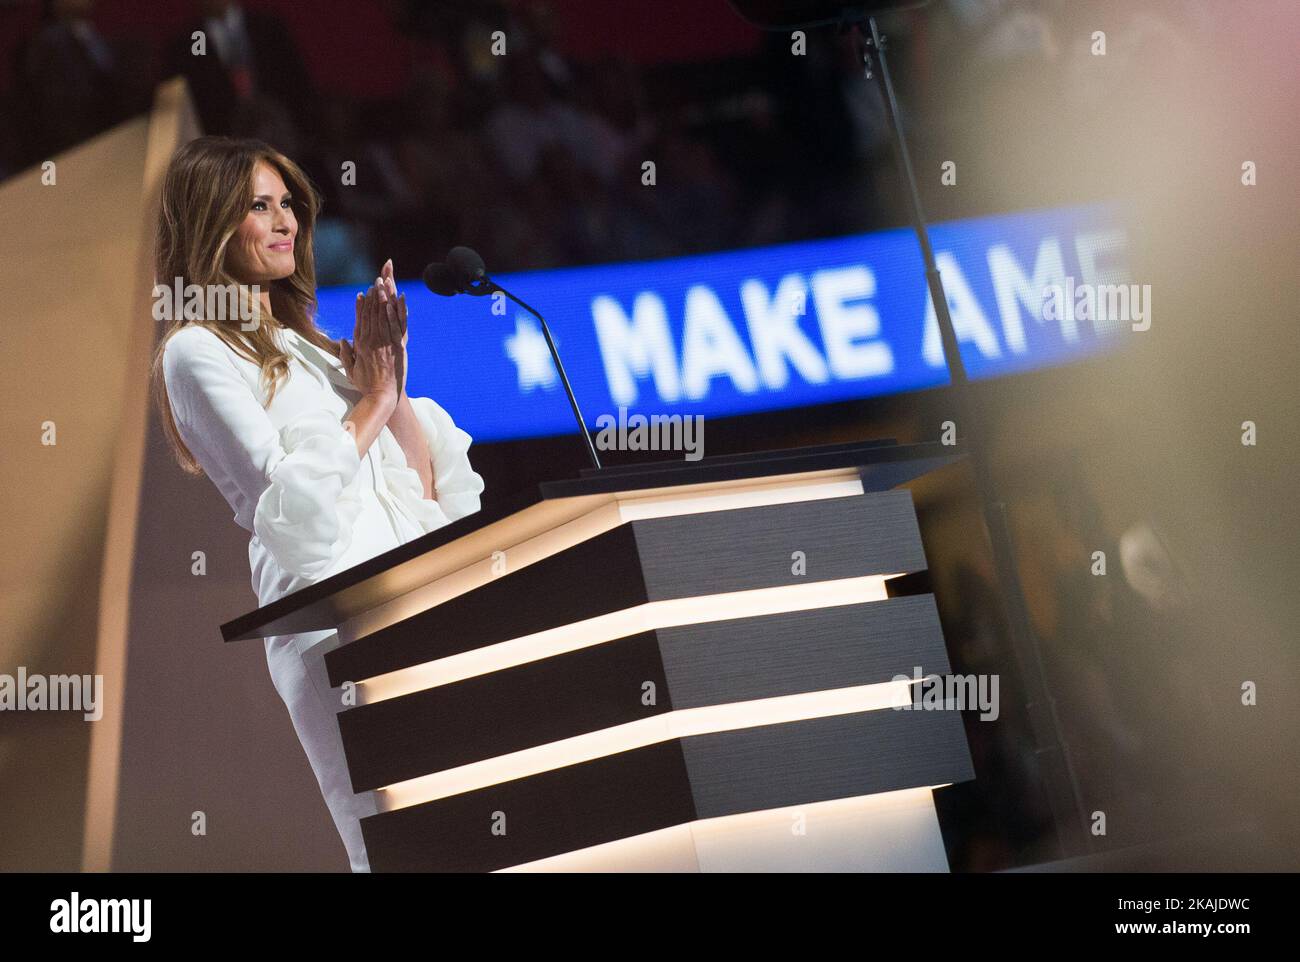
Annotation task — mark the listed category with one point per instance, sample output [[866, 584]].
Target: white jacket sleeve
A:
[[293, 488], [456, 483]]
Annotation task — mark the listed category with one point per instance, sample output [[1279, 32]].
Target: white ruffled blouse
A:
[[291, 471]]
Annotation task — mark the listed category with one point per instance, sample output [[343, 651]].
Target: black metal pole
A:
[[1060, 780], [559, 366]]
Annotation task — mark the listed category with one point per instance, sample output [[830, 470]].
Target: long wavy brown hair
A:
[[206, 194]]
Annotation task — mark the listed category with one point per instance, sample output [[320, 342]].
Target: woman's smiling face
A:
[[262, 249]]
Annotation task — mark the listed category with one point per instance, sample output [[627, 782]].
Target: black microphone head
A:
[[441, 279], [467, 264], [789, 14]]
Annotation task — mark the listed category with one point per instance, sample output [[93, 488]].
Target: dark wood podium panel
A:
[[671, 783], [601, 686], [653, 559], [326, 604]]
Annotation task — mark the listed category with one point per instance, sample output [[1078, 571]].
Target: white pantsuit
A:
[[314, 507]]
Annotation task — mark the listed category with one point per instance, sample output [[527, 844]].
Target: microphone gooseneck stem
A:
[[559, 366]]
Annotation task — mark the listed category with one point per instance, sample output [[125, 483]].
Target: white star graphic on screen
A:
[[527, 348]]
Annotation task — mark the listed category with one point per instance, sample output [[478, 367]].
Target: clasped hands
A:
[[375, 362], [375, 359]]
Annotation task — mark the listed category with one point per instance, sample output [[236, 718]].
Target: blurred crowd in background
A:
[[535, 157]]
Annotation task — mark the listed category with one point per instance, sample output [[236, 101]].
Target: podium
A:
[[679, 666]]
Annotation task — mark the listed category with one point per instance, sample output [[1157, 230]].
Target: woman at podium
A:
[[316, 446]]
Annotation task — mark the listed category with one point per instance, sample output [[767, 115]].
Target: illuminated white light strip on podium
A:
[[716, 496], [638, 734], [875, 826], [620, 624]]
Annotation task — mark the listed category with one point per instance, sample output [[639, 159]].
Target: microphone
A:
[[440, 279], [468, 269], [789, 14], [464, 272]]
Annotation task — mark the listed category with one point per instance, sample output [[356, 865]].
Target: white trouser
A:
[[297, 667]]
